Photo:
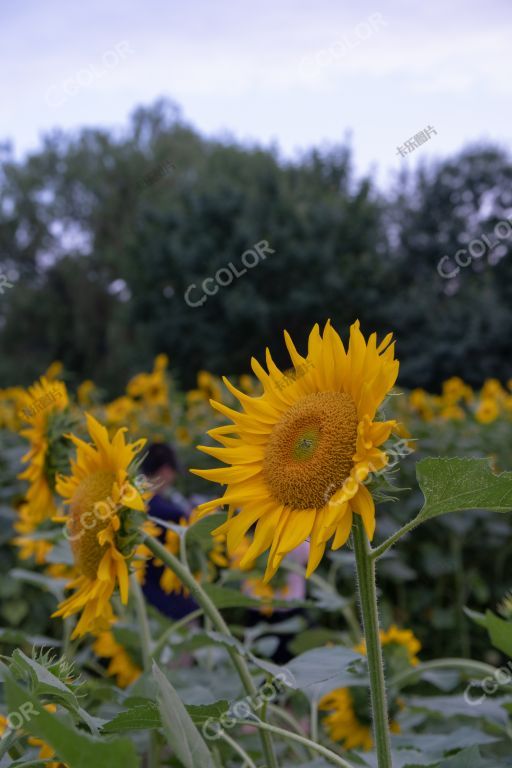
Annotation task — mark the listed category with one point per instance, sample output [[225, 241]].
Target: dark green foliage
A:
[[101, 235]]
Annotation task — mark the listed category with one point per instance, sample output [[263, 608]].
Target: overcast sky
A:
[[289, 72]]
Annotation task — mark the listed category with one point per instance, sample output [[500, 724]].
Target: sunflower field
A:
[[342, 563]]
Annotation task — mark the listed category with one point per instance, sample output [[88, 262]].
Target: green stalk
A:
[[211, 611], [410, 526], [146, 647], [162, 640], [468, 667], [142, 618], [248, 763], [313, 718], [327, 753], [365, 567]]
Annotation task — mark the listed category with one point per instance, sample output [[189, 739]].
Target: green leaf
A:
[[322, 665], [145, 715], [200, 713], [139, 718], [313, 638], [181, 733], [500, 631], [452, 485], [436, 745], [468, 758], [45, 683], [201, 532], [76, 748], [451, 706], [233, 598], [47, 583]]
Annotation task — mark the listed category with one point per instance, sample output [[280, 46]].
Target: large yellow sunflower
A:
[[301, 452], [97, 491]]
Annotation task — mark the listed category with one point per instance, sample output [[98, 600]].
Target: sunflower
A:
[[120, 409], [151, 389], [300, 454], [43, 400], [97, 491], [349, 719], [169, 582], [487, 411], [29, 544], [343, 723], [257, 588], [402, 638], [85, 393], [452, 413], [121, 666]]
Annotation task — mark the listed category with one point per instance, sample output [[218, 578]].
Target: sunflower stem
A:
[[211, 611], [142, 618], [177, 625], [410, 526], [248, 763], [327, 753], [146, 647], [365, 567]]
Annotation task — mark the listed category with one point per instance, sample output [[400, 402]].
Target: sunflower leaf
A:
[[453, 485], [181, 733], [76, 748], [500, 631]]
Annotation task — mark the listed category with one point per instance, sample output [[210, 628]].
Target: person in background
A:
[[161, 468]]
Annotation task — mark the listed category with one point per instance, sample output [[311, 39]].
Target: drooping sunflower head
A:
[[99, 492], [349, 720], [299, 455], [43, 408]]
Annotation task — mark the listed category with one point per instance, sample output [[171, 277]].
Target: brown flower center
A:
[[91, 509], [309, 453]]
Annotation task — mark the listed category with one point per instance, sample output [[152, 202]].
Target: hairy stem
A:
[[368, 596]]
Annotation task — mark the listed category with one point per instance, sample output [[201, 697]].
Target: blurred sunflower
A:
[[99, 481], [452, 413], [120, 409], [151, 389], [346, 723], [300, 454], [487, 411], [29, 544], [121, 665], [401, 638], [265, 592], [41, 402], [350, 720], [85, 393]]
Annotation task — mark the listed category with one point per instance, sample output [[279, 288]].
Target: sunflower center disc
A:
[[91, 509], [310, 450]]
